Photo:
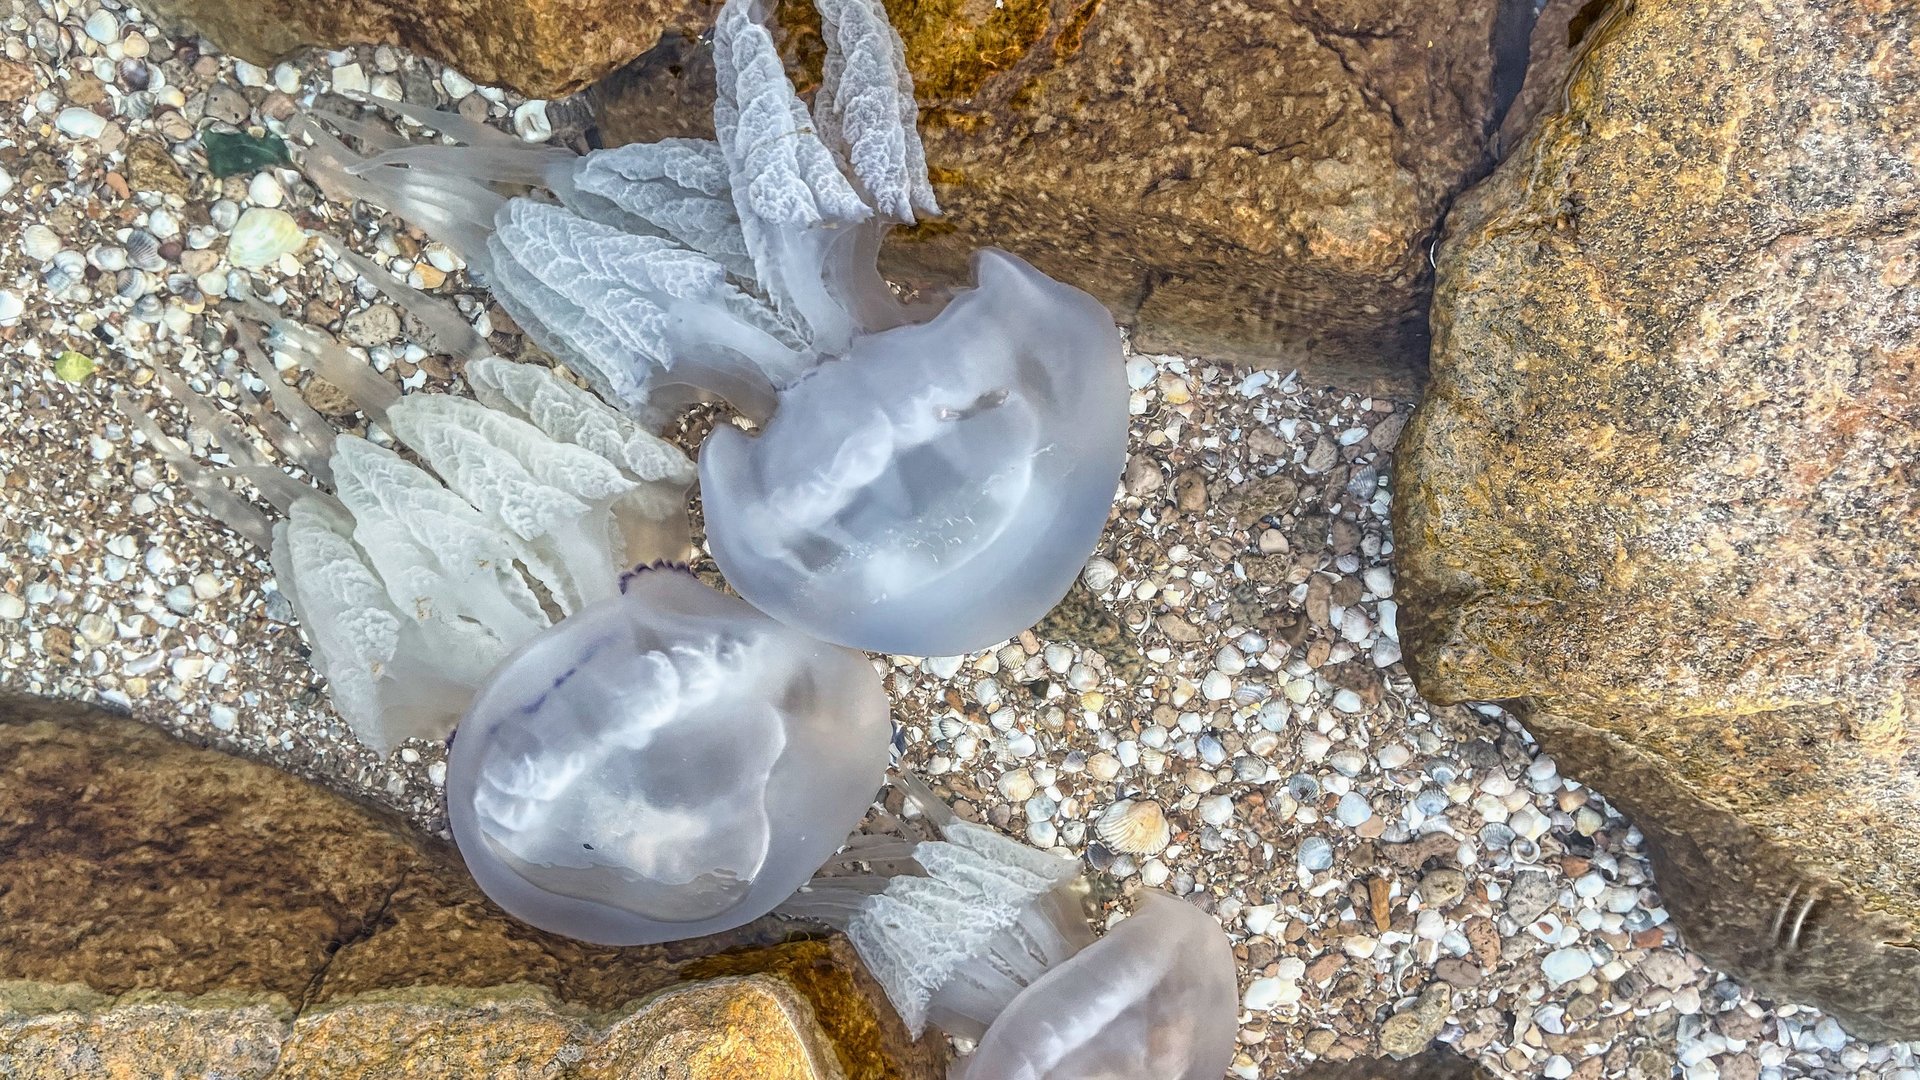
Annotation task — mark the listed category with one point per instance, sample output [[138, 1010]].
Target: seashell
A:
[[39, 242], [71, 261], [133, 284], [58, 280], [1135, 826], [11, 307], [262, 235], [108, 257], [163, 224], [223, 213], [143, 251], [148, 308], [137, 105], [201, 237], [176, 317]]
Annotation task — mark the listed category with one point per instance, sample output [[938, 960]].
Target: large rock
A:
[[1256, 181], [1662, 491], [154, 894], [542, 48]]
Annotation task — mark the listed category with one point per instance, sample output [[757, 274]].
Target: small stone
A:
[[377, 325], [1190, 491], [1563, 966], [1143, 476], [80, 123]]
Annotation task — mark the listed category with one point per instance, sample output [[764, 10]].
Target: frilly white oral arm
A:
[[412, 587]]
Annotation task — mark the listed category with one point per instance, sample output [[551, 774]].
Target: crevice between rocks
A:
[[1511, 47], [369, 926]]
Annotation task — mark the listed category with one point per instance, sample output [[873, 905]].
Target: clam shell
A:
[[108, 257], [261, 236], [1134, 826], [133, 284], [224, 213], [143, 251], [39, 242]]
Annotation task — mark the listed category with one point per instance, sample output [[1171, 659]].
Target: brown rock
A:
[[1256, 181], [1410, 1033], [17, 81], [1558, 36], [543, 48], [257, 916], [1662, 492], [151, 168], [1435, 1064]]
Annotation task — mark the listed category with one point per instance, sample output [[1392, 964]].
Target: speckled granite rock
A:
[[752, 1028], [1257, 181], [1662, 491], [542, 48], [242, 908]]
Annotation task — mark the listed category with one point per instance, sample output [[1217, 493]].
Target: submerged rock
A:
[[155, 895], [1257, 182], [543, 48], [1662, 492]]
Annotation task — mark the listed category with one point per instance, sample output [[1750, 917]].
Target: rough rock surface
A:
[[254, 915], [1663, 489], [1256, 181], [542, 48]]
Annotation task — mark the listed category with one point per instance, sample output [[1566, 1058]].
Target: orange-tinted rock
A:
[[1258, 180], [543, 48], [1662, 492], [227, 898]]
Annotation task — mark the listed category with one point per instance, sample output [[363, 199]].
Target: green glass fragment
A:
[[230, 153], [73, 367]]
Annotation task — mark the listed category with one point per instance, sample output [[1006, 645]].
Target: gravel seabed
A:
[[1229, 665]]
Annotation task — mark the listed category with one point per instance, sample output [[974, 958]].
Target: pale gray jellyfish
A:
[[988, 939], [926, 478], [640, 758]]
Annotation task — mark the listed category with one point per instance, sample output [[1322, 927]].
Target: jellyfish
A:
[[988, 940], [925, 476], [640, 758]]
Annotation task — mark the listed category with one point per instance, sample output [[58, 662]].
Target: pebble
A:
[[1562, 966], [80, 123]]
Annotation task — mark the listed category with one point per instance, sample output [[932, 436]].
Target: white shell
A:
[[39, 242], [1135, 826], [261, 236]]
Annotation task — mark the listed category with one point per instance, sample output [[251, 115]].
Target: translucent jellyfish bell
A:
[[938, 488], [988, 939], [928, 477], [665, 764], [1155, 999], [640, 757]]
